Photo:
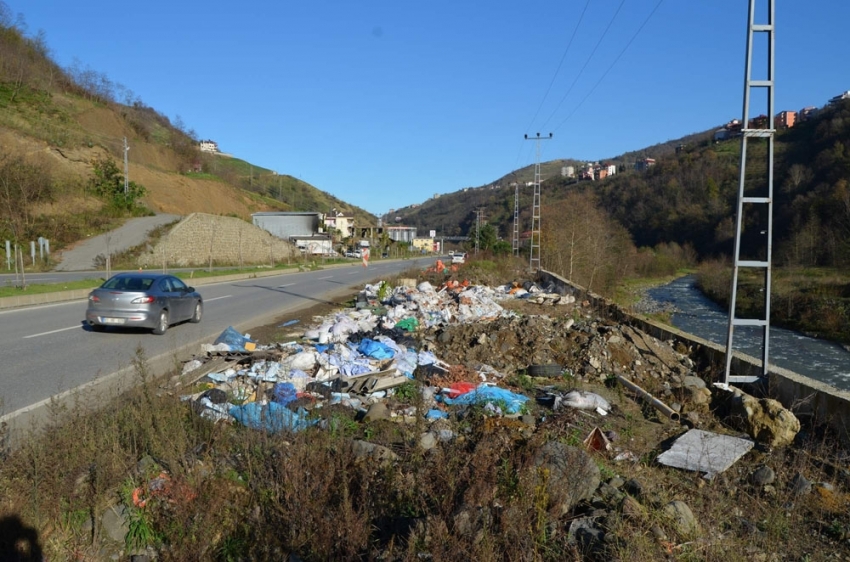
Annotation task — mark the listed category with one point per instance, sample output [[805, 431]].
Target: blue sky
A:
[[385, 103]]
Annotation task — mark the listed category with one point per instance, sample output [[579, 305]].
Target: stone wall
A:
[[230, 240], [814, 402]]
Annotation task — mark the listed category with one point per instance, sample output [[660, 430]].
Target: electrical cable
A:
[[557, 70], [639, 29], [570, 89]]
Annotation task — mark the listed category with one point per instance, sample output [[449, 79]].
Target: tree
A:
[[108, 183]]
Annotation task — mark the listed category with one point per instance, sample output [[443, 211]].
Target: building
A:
[[340, 222], [602, 173], [568, 172], [314, 245], [612, 169], [644, 164], [208, 146], [806, 113], [784, 119], [839, 97], [758, 122], [288, 225], [401, 233]]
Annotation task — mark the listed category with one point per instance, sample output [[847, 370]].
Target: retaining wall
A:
[[228, 239], [814, 402]]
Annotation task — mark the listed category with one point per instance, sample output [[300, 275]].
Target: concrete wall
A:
[[814, 402], [228, 239]]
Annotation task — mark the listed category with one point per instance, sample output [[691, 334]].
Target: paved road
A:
[[48, 350], [133, 233]]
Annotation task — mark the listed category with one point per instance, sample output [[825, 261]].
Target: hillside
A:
[[689, 196], [55, 122]]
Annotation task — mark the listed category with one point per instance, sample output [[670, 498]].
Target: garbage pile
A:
[[355, 357]]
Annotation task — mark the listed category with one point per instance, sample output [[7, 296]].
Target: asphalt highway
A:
[[48, 351]]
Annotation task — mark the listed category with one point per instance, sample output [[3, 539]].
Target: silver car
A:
[[143, 300]]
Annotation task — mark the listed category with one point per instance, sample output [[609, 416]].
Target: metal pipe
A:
[[658, 404]]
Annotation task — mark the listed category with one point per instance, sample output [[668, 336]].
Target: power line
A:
[[557, 70], [604, 74], [604, 33]]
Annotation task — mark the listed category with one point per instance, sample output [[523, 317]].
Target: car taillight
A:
[[143, 300], [93, 298]]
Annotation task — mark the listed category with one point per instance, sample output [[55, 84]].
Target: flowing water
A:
[[821, 360]]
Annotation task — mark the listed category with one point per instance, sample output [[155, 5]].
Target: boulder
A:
[[764, 419], [682, 518], [569, 473]]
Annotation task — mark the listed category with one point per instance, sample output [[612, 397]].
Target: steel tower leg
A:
[[762, 203]]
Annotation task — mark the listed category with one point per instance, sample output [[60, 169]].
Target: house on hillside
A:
[[806, 113], [839, 97], [644, 164], [340, 222], [784, 119], [208, 146]]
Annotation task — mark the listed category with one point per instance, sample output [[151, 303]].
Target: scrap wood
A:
[[210, 366]]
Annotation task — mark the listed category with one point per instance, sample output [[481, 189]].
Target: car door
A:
[[182, 299]]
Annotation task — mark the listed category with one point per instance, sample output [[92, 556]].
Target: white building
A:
[[208, 146], [612, 169], [568, 172]]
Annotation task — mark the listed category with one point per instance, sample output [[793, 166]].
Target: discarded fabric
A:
[[483, 394], [271, 417]]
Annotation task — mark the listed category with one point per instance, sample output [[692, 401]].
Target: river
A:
[[821, 360]]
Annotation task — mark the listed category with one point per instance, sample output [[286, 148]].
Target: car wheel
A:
[[199, 312], [162, 323]]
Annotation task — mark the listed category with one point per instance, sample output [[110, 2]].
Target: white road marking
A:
[[328, 277], [218, 298], [77, 327], [287, 285]]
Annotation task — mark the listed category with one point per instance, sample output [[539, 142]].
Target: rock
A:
[[658, 533], [693, 382], [763, 476], [377, 411], [364, 450], [114, 523], [682, 518], [616, 482], [632, 509], [765, 419], [800, 485], [427, 441], [569, 472], [633, 487], [585, 533]]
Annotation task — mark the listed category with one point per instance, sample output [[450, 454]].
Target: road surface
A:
[[48, 350], [134, 232]]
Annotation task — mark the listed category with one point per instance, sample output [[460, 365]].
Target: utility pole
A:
[[515, 244], [478, 212], [534, 250], [126, 170]]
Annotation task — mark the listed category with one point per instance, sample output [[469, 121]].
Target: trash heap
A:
[[356, 357]]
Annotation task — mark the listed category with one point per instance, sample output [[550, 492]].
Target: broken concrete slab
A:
[[704, 451]]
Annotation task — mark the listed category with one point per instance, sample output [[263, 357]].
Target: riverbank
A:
[[813, 301]]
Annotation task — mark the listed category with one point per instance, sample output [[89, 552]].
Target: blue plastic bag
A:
[[233, 339], [375, 349], [271, 417], [483, 394]]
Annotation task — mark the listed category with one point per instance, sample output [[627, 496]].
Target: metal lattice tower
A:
[[516, 221], [763, 203], [534, 249]]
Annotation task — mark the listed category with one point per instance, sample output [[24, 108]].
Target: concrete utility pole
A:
[[534, 249], [126, 170]]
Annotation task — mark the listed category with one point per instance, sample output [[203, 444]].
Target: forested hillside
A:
[[685, 204], [62, 128]]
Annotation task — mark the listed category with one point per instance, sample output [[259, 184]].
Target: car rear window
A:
[[129, 283]]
